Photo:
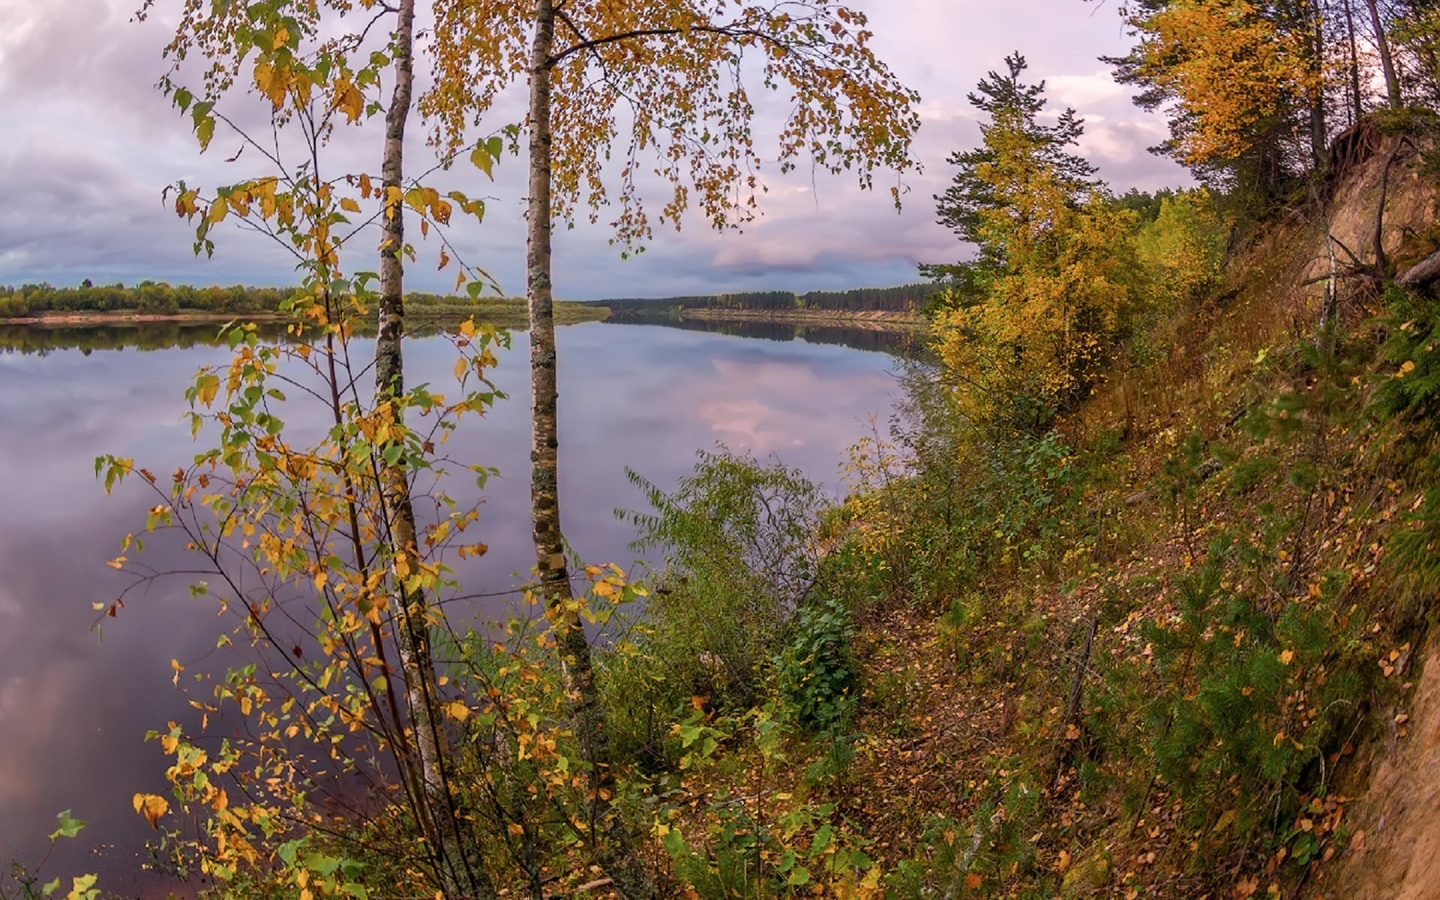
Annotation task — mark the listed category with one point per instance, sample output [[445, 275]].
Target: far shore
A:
[[871, 320], [125, 317], [564, 313]]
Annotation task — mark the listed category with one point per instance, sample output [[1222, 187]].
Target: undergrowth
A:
[[1080, 662]]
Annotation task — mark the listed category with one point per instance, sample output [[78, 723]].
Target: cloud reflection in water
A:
[[73, 710]]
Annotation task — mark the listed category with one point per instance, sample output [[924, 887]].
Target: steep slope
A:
[[1394, 846], [1171, 659]]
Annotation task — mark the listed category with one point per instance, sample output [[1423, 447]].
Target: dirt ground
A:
[[1394, 851]]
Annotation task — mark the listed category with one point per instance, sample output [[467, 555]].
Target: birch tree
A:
[[664, 82], [341, 514]]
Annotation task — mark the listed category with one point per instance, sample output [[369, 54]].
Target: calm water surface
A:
[[74, 709]]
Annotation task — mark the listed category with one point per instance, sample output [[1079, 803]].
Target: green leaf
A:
[[322, 863], [675, 844], [286, 851], [823, 836], [69, 826], [483, 160]]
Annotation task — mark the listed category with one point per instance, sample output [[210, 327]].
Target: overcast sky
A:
[[89, 146]]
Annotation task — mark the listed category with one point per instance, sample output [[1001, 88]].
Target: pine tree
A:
[[1026, 323], [1014, 109]]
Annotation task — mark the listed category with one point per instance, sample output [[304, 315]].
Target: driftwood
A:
[[1423, 272]]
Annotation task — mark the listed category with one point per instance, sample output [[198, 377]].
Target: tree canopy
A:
[[1031, 317], [1014, 137], [664, 95]]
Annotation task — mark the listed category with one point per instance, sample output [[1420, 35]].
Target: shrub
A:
[[741, 557], [817, 673]]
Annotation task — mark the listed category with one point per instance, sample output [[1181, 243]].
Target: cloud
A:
[[92, 145], [1093, 91]]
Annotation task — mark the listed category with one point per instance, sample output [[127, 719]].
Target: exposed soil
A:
[[1394, 848]]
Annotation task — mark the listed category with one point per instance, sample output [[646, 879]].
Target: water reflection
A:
[[73, 710], [151, 335], [40, 340], [901, 341]]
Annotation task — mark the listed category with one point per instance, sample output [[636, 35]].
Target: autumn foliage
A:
[[1136, 568]]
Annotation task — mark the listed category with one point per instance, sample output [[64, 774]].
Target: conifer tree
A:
[[1014, 109], [1049, 288]]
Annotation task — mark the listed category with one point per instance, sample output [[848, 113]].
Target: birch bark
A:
[[615, 851], [458, 877]]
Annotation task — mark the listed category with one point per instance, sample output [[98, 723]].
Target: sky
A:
[[90, 145]]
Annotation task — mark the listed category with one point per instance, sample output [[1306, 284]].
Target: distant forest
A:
[[149, 297], [159, 298], [905, 298]]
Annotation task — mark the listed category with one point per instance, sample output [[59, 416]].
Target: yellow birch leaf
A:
[[152, 807], [480, 157], [207, 386], [352, 103]]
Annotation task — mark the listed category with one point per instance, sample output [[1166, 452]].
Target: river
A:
[[74, 706]]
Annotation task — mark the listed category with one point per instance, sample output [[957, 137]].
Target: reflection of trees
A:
[[898, 342], [42, 339], [38, 339]]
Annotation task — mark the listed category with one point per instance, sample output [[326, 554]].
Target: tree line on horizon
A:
[[902, 298], [161, 298]]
